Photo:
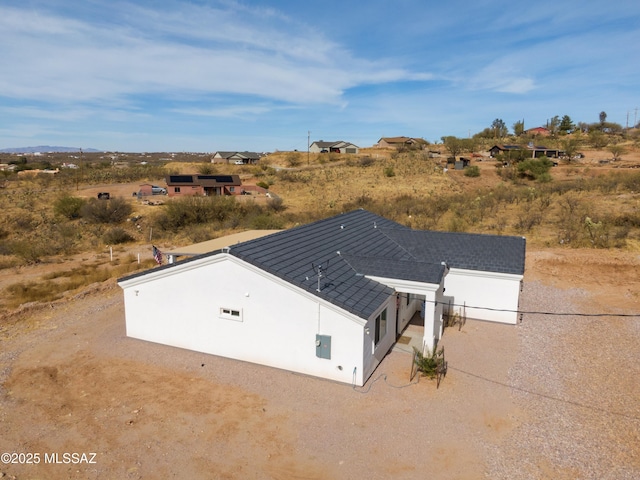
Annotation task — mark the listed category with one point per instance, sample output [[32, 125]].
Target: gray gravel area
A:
[[576, 378], [555, 397]]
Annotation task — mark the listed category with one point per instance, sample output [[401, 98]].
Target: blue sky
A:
[[207, 75]]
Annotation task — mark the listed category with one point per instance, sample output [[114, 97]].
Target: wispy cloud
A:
[[104, 69], [183, 48]]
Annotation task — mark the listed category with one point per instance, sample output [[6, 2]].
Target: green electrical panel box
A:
[[323, 346]]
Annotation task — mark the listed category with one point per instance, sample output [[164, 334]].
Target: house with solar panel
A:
[[327, 299], [206, 185]]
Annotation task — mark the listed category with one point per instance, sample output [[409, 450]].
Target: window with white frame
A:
[[381, 326], [231, 314]]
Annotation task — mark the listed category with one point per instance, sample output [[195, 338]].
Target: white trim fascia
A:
[[406, 286], [223, 256], [175, 269], [485, 274]]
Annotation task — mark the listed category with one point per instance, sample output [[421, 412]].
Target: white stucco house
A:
[[327, 299], [339, 146]]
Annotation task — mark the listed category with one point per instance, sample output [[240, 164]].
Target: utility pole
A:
[[308, 146]]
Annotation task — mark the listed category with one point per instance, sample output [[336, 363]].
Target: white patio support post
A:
[[431, 322]]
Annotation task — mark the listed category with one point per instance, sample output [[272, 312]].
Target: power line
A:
[[534, 312]]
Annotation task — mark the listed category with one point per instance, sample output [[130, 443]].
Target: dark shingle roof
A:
[[489, 253], [349, 246], [399, 269], [359, 243], [295, 255]]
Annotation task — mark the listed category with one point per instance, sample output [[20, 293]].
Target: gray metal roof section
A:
[[488, 253], [302, 254], [397, 269]]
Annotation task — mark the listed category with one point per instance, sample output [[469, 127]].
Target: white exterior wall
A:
[[180, 306], [498, 291], [407, 311], [433, 296], [373, 354]]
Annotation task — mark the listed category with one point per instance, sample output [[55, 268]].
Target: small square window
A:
[[231, 314]]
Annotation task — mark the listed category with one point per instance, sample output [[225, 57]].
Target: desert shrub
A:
[[429, 364], [196, 210], [115, 210], [199, 233], [366, 161], [276, 204], [570, 219], [293, 159], [68, 206], [293, 177], [457, 224], [389, 171], [266, 221], [263, 184], [116, 236], [535, 169], [206, 169], [361, 201], [507, 172], [472, 171], [527, 219], [629, 220], [29, 252]]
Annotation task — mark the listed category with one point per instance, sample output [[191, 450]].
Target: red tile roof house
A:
[[327, 299], [205, 185], [545, 132]]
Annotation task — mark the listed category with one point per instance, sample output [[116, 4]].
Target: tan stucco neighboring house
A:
[[397, 142]]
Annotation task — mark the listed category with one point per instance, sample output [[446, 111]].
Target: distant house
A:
[[329, 298], [333, 147], [542, 131], [397, 142], [498, 149], [207, 185], [238, 158], [536, 151]]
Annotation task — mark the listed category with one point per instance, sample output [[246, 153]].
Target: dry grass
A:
[[419, 193]]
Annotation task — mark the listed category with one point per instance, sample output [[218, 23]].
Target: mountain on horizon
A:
[[48, 149]]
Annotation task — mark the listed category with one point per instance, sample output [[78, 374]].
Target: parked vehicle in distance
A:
[[155, 190], [104, 196]]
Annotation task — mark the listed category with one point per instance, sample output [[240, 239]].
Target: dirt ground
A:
[[71, 382]]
